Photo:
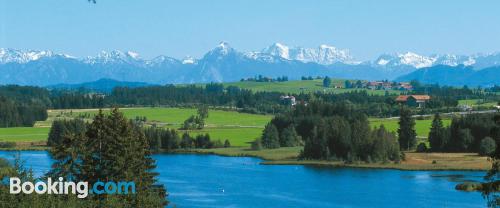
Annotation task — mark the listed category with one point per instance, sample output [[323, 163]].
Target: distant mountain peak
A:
[[324, 54], [8, 55], [189, 60]]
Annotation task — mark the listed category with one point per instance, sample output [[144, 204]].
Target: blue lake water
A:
[[216, 181]]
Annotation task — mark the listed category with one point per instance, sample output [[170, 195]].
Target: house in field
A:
[[288, 100], [418, 101]]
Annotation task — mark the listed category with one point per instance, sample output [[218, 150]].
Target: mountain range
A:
[[224, 63]]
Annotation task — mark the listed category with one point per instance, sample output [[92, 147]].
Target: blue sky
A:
[[178, 28]]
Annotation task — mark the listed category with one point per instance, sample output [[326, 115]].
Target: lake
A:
[[217, 181]]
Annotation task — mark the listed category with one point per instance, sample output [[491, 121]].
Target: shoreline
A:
[[288, 156], [471, 162]]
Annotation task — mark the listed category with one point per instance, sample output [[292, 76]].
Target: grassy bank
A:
[[414, 161]]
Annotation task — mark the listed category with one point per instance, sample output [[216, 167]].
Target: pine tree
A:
[[289, 137], [406, 130], [270, 137], [437, 134], [327, 82]]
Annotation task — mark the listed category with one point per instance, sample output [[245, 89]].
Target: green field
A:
[[298, 86], [422, 127], [238, 128], [23, 134], [477, 103]]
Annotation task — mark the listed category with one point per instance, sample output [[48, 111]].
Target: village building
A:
[[418, 101], [288, 100]]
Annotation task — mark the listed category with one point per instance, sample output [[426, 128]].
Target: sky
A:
[[180, 28]]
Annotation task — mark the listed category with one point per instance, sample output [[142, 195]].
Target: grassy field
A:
[[422, 127], [24, 134], [238, 128], [299, 86], [477, 103]]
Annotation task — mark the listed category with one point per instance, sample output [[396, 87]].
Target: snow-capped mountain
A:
[[324, 54], [222, 64], [8, 55], [409, 58], [114, 56], [478, 61]]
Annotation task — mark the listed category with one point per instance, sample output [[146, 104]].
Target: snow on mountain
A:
[[420, 61], [453, 60], [324, 54], [114, 56], [8, 55], [189, 60], [408, 58]]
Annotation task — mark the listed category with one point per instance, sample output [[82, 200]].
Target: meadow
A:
[[24, 134], [477, 103], [238, 128], [422, 127], [301, 86]]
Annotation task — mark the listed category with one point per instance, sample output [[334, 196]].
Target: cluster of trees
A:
[[310, 77], [211, 94], [110, 148], [161, 139], [198, 121], [13, 113], [332, 131], [158, 139], [272, 138], [261, 78], [469, 133], [350, 84]]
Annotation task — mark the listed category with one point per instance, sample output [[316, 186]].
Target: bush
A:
[[422, 147], [3, 163], [227, 144], [487, 146], [7, 144], [257, 144]]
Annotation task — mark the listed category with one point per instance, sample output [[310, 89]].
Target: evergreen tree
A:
[[117, 150], [227, 144], [289, 137], [406, 130], [186, 141], [327, 81], [437, 134], [270, 137]]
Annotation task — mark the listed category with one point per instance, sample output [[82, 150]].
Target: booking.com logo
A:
[[81, 189]]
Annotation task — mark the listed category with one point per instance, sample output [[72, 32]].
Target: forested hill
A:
[[101, 85], [455, 76]]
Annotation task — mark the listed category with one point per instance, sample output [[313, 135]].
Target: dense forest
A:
[[335, 131]]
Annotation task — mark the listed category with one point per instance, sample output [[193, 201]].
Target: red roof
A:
[[402, 98], [421, 97]]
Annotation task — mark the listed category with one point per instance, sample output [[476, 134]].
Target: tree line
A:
[[158, 139], [468, 133]]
